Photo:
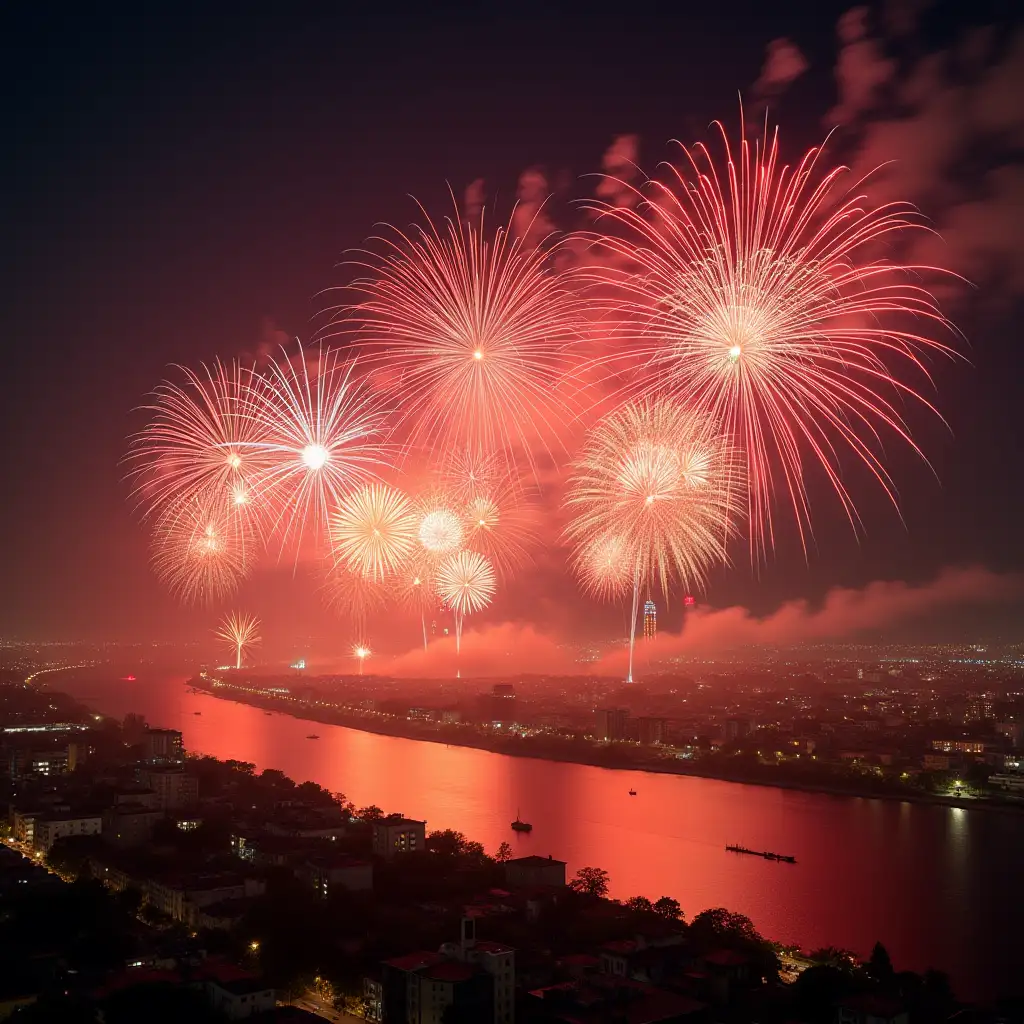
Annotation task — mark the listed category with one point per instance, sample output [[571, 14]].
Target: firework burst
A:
[[604, 567], [202, 442], [475, 330], [240, 632], [375, 531], [199, 551], [467, 584], [323, 434], [660, 481], [498, 523], [440, 529], [758, 293]]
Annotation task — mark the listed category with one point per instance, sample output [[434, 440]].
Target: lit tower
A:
[[650, 620]]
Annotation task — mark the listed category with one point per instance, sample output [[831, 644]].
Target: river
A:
[[940, 887]]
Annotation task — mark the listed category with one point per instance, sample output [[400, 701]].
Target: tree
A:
[[371, 813], [448, 843], [719, 926], [879, 966], [590, 882], [504, 853], [641, 904], [668, 908]]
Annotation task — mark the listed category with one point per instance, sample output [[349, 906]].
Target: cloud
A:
[[945, 131], [783, 64], [496, 650], [844, 613], [619, 164], [530, 221], [862, 69], [474, 199]]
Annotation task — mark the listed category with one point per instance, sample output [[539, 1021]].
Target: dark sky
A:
[[173, 180]]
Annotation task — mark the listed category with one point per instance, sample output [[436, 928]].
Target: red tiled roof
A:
[[623, 947], [580, 960], [414, 961], [493, 947], [134, 976], [451, 970]]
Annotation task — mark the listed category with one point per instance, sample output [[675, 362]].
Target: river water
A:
[[940, 887]]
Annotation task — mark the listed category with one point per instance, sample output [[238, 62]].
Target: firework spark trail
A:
[[476, 328], [240, 632], [659, 480], [353, 595], [467, 584], [604, 567], [198, 550], [323, 434], [417, 587], [375, 531], [756, 293], [201, 443]]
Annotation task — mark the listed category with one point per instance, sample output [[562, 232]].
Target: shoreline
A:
[[411, 731]]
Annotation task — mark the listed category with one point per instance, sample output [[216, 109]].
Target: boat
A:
[[632, 792], [312, 736], [521, 826], [268, 712], [782, 858], [197, 712]]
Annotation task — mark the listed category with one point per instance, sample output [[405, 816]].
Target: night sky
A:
[[180, 185]]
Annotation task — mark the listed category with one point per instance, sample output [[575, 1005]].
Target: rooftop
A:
[[244, 986], [493, 947], [395, 822], [534, 861], [414, 961], [450, 970]]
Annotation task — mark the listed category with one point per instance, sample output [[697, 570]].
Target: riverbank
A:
[[615, 757]]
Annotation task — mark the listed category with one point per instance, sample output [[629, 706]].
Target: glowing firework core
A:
[[441, 531], [478, 354], [234, 460], [315, 456], [734, 353]]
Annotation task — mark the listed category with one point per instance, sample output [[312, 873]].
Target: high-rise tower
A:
[[650, 620]]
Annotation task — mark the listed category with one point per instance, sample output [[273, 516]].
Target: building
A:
[[1011, 783], [395, 835], [182, 897], [173, 787], [498, 961], [527, 872], [399, 989], [23, 825], [24, 763], [868, 1008], [162, 746], [1013, 731], [650, 620], [737, 728], [241, 997], [959, 746], [341, 872], [51, 827], [477, 978], [611, 723], [499, 706], [652, 730], [130, 824]]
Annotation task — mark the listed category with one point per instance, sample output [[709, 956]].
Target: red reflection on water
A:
[[938, 886]]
